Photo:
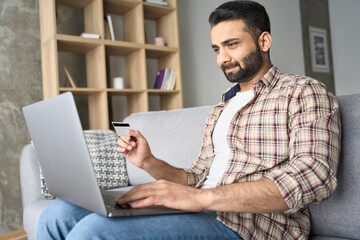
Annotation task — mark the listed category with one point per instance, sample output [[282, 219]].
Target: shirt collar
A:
[[231, 92], [269, 80]]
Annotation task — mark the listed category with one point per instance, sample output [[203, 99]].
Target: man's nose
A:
[[223, 57]]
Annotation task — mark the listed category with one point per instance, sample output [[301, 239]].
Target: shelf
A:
[[81, 91], [74, 4], [121, 48], [123, 92], [161, 92], [95, 62], [120, 7], [153, 11], [76, 44], [153, 51]]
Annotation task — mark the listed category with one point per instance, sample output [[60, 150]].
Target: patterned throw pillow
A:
[[109, 165]]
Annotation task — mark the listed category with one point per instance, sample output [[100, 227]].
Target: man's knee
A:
[[95, 226], [57, 219]]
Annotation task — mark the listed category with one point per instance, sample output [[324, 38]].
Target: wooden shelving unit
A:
[[133, 49]]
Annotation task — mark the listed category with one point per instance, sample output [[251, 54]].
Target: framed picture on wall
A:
[[319, 50]]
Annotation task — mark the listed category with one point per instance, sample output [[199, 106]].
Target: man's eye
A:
[[232, 45], [216, 50]]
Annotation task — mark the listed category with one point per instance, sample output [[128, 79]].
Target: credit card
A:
[[121, 128]]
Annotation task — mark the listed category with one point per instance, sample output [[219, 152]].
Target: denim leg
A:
[[62, 220], [157, 227], [57, 220]]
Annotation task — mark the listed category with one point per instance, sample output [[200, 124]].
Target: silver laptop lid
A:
[[59, 142]]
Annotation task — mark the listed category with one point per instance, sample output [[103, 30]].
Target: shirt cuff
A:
[[289, 188], [192, 177]]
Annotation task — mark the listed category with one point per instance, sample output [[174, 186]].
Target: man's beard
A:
[[252, 62]]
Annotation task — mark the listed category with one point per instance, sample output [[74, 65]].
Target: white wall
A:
[[203, 81], [345, 35]]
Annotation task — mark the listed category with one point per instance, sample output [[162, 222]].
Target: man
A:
[[271, 147]]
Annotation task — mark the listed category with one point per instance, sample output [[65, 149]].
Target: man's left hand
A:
[[164, 193]]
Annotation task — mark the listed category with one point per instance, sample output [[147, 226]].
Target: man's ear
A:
[[265, 41]]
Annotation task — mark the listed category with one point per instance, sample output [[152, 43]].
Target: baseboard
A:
[[17, 235]]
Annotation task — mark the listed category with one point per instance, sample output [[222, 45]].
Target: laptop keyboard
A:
[[110, 198]]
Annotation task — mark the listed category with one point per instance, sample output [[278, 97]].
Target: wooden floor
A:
[[17, 235]]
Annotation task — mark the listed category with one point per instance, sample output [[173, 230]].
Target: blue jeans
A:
[[63, 220]]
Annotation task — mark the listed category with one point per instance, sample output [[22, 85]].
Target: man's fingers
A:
[[124, 140], [140, 201], [138, 193], [135, 133], [122, 150], [147, 202], [126, 143], [129, 198]]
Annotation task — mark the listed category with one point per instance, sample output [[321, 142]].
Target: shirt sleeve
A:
[[314, 147], [198, 171]]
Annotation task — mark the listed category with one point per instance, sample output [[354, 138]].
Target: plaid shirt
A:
[[289, 133]]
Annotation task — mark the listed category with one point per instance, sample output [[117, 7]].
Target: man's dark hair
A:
[[252, 13]]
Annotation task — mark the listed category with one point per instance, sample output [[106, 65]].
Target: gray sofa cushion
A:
[[327, 238], [339, 216], [29, 176], [31, 216], [174, 136]]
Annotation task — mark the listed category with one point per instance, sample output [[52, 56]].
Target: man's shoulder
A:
[[295, 87], [277, 80], [297, 81], [294, 84]]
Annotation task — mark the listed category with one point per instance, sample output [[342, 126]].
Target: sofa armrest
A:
[[29, 176]]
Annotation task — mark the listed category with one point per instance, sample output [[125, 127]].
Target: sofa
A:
[[176, 136]]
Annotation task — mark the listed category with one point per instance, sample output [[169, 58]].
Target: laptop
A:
[[58, 140]]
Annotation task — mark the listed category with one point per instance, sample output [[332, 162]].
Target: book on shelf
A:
[[160, 76], [165, 79], [69, 77], [158, 2], [90, 35], [172, 81], [111, 28], [107, 29]]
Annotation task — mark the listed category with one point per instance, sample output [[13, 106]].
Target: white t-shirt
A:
[[221, 147]]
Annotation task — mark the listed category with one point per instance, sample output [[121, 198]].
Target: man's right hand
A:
[[135, 148]]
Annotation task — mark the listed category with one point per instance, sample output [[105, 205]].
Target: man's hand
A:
[[135, 148], [164, 193]]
